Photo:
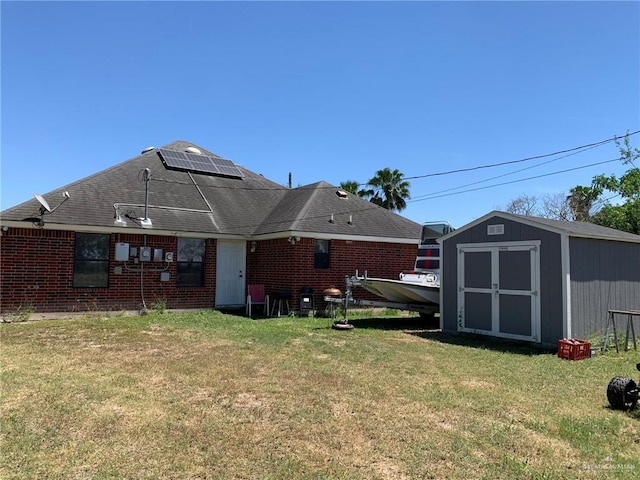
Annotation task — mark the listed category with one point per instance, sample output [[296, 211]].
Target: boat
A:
[[402, 291], [420, 285]]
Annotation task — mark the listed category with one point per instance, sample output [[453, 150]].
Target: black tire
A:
[[618, 393], [430, 320]]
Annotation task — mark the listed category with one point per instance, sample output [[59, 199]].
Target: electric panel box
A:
[[145, 254], [122, 252]]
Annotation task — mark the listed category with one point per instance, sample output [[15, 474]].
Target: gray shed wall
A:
[[551, 301], [604, 275]]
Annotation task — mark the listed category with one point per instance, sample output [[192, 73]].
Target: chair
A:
[[256, 296]]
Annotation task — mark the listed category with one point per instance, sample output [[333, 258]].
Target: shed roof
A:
[[571, 229]]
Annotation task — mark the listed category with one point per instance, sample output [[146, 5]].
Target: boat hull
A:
[[401, 292]]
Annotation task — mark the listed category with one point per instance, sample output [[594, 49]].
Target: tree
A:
[[351, 186], [626, 214], [523, 205], [585, 203], [554, 206], [389, 190], [581, 200]]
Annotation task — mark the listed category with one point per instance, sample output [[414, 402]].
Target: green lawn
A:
[[214, 396]]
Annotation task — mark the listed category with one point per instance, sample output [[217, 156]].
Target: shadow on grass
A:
[[395, 323], [485, 343], [429, 330]]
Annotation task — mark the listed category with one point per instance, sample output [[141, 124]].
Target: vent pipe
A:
[[146, 221]]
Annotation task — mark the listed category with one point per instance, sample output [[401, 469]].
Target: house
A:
[[182, 227], [535, 279]]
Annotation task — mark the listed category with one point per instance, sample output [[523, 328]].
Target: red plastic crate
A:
[[574, 349]]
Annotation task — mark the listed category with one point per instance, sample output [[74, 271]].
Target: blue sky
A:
[[328, 91]]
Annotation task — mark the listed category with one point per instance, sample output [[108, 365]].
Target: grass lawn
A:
[[215, 396]]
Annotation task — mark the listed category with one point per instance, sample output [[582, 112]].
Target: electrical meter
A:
[[145, 254]]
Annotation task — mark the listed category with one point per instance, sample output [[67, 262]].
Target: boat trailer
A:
[[425, 311]]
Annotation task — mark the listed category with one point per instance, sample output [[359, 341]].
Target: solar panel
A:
[[199, 163]]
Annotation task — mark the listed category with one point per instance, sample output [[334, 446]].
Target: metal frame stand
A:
[[629, 333]]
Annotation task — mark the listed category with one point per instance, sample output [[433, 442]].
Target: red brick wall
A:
[[280, 265], [36, 271]]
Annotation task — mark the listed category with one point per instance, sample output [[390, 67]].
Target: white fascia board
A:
[[173, 233], [330, 236]]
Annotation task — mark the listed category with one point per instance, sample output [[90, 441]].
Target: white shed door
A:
[[498, 287], [230, 270]]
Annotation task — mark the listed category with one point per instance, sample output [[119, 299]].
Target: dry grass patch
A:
[[220, 397]]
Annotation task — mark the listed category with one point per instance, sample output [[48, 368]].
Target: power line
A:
[[501, 176], [511, 162], [450, 191], [431, 197]]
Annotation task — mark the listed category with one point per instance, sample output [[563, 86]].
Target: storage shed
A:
[[535, 279]]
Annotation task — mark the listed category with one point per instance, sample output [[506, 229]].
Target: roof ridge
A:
[[305, 208]]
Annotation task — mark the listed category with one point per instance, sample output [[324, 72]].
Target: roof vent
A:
[[148, 149], [195, 150], [341, 193]]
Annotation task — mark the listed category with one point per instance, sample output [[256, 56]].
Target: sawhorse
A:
[[611, 321]]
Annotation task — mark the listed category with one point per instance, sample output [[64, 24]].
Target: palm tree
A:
[[352, 186], [581, 200], [389, 189]]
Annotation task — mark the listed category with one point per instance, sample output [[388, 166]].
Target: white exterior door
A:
[[498, 289], [230, 273]]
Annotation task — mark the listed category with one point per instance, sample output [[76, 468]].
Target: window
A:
[[321, 256], [91, 262], [495, 229], [190, 262]]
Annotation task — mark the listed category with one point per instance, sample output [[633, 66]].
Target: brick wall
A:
[[280, 265], [36, 271]]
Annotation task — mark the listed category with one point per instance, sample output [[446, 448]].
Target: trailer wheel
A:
[[618, 393], [430, 319]]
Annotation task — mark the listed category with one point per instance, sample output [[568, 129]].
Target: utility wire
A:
[[433, 196], [511, 162], [443, 193], [575, 150], [503, 175]]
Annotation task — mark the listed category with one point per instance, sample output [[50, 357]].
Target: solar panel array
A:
[[199, 163]]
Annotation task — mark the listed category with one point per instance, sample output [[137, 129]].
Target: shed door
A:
[[230, 266], [498, 289]]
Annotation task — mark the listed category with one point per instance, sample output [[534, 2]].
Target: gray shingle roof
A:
[[572, 229], [197, 203], [310, 209], [583, 229]]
